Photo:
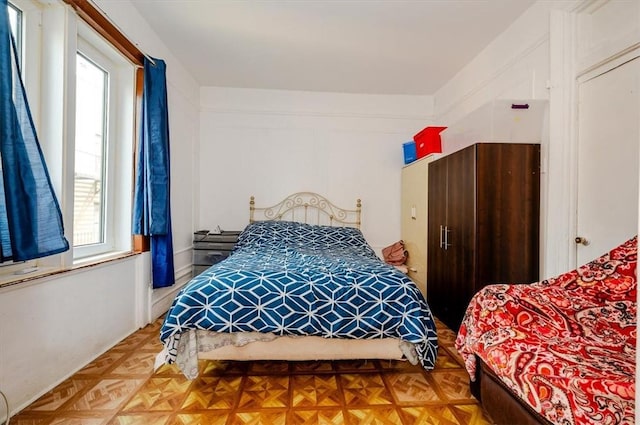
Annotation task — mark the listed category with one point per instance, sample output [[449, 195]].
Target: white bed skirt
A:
[[195, 345], [309, 348]]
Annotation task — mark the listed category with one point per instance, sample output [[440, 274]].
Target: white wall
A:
[[516, 65], [540, 56], [51, 327], [513, 66], [270, 143]]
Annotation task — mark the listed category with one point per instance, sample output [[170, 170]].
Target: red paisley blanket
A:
[[566, 345]]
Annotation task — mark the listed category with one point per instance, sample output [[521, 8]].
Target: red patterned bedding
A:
[[566, 345]]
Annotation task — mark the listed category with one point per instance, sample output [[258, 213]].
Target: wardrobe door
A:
[[414, 220], [437, 268], [460, 238], [508, 213]]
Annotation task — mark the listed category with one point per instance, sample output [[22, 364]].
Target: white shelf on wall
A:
[[497, 121]]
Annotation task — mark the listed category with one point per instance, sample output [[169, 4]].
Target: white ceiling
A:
[[352, 46]]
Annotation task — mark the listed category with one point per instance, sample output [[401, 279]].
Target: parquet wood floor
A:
[[121, 388]]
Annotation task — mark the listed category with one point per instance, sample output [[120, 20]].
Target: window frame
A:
[[31, 33], [94, 18], [106, 244], [120, 135], [19, 34]]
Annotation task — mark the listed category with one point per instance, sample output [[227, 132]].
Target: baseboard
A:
[[161, 299]]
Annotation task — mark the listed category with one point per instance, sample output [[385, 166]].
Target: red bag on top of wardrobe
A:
[[428, 141]]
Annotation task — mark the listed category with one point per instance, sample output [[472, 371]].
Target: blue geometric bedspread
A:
[[298, 279]]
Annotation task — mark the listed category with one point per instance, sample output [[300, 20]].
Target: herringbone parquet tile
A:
[[159, 394], [121, 388], [454, 384], [384, 416], [315, 390], [469, 414], [266, 417], [411, 388], [23, 419], [132, 341], [79, 419], [446, 360], [219, 418], [153, 344], [316, 417], [265, 391], [61, 394], [108, 394], [137, 363], [101, 365], [141, 419], [428, 415], [365, 389], [213, 393]]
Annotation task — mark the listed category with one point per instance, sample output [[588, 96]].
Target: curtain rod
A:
[[108, 18], [100, 21]]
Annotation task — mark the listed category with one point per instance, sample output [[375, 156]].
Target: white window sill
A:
[[27, 274], [100, 258], [36, 272]]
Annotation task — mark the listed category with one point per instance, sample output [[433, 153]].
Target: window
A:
[[15, 20], [103, 161], [16, 24], [82, 94], [90, 156], [25, 19]]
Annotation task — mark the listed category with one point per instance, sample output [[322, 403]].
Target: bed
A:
[[301, 284], [560, 351]]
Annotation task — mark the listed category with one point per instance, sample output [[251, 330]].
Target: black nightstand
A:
[[209, 249]]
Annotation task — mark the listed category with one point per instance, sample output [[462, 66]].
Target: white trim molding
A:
[[562, 169]]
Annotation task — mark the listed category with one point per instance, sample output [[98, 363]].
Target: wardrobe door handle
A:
[[446, 238], [441, 238]]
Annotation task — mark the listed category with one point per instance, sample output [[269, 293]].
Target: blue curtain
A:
[[30, 218], [151, 209]]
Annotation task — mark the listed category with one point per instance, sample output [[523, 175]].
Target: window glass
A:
[[15, 20], [91, 129]]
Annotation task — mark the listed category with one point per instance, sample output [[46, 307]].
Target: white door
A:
[[608, 135]]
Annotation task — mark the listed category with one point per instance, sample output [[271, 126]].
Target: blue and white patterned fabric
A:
[[299, 279]]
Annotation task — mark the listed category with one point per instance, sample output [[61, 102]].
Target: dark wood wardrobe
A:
[[483, 223]]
